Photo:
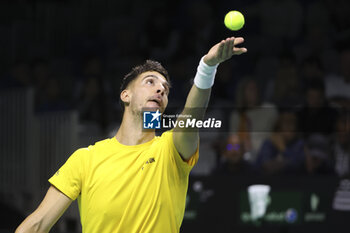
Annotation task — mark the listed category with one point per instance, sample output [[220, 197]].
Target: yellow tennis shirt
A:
[[127, 189]]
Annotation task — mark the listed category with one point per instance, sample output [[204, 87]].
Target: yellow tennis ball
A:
[[234, 20]]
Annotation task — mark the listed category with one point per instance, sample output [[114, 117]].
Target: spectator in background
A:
[[311, 69], [254, 119], [318, 155], [316, 115], [231, 160], [341, 148], [283, 152], [284, 89], [338, 86]]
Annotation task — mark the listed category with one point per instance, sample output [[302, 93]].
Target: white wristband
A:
[[205, 75]]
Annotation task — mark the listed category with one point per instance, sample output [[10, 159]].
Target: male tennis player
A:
[[135, 181]]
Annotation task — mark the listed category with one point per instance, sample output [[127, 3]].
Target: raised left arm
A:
[[186, 140]]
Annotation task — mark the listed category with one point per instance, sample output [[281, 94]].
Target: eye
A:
[[167, 91], [149, 81]]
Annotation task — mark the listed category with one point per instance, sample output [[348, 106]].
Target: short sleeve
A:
[[185, 166], [68, 179]]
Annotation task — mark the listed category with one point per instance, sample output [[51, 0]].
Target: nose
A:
[[160, 89]]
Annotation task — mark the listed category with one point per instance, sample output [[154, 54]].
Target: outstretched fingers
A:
[[238, 40], [228, 46], [224, 50], [239, 50]]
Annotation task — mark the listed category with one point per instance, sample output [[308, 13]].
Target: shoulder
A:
[[163, 140], [81, 152], [165, 136], [102, 145], [91, 149], [166, 143]]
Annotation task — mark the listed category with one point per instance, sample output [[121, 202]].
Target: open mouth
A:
[[155, 101]]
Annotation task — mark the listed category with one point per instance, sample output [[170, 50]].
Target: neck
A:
[[131, 130]]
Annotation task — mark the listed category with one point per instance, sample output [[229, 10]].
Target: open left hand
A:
[[224, 50]]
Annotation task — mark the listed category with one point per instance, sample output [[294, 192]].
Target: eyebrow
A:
[[154, 76]]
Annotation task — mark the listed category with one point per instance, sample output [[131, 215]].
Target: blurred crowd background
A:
[[285, 103]]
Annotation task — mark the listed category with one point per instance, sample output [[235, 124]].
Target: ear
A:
[[125, 96]]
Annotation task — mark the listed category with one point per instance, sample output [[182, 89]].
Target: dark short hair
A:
[[149, 65]]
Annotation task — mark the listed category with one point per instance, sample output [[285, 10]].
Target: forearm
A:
[[195, 107], [197, 102], [186, 139]]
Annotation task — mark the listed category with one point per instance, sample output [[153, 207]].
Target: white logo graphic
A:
[[259, 200]]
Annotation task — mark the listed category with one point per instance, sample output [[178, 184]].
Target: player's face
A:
[[150, 90]]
